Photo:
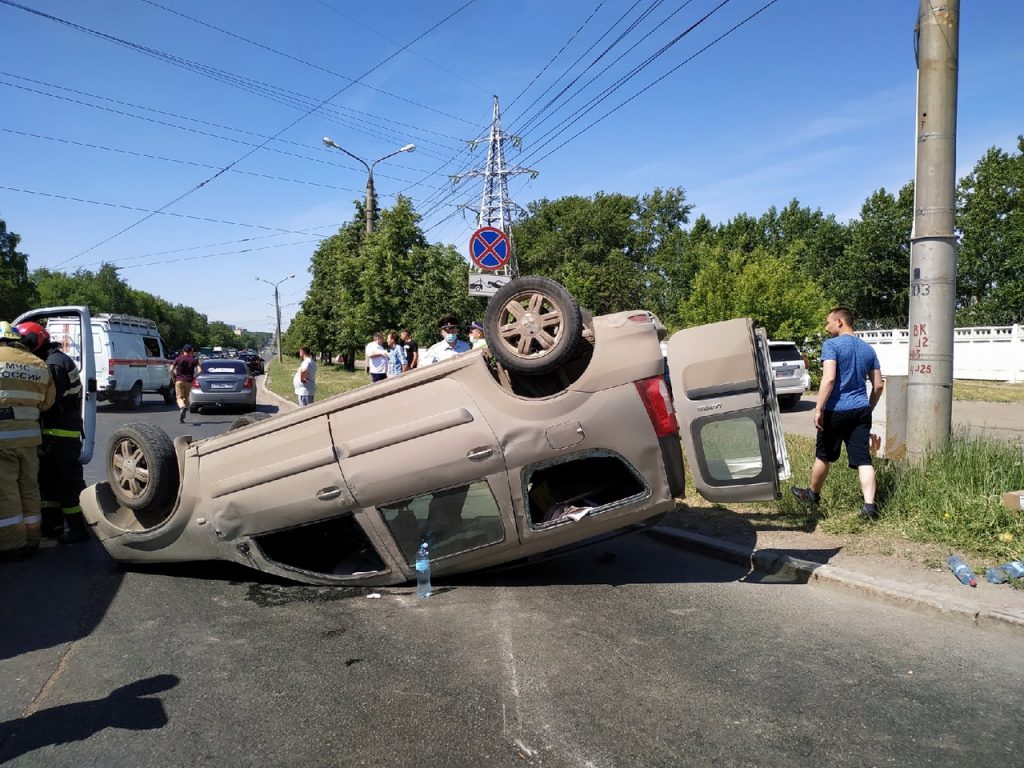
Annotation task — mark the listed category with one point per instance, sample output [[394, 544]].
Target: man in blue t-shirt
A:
[[843, 412]]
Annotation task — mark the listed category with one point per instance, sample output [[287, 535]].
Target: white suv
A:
[[791, 376]]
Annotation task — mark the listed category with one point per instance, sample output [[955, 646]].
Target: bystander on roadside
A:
[[304, 380]]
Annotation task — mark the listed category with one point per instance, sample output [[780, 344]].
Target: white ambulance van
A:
[[64, 325], [130, 357]]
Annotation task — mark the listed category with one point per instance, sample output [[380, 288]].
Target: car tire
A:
[[788, 401], [141, 467], [134, 399], [193, 409], [168, 394], [249, 418], [533, 325]]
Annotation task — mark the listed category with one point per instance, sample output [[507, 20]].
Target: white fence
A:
[[993, 353]]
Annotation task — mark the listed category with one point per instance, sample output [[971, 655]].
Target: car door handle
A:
[[479, 454], [328, 494]]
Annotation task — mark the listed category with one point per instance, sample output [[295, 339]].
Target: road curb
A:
[[805, 571], [266, 391]]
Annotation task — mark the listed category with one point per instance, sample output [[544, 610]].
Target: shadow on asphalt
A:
[[128, 707], [58, 596], [804, 406]]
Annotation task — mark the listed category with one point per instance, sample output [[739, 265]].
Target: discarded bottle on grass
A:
[[962, 570], [1005, 572], [423, 571]]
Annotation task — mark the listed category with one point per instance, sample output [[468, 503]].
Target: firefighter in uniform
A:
[[26, 388], [61, 478]]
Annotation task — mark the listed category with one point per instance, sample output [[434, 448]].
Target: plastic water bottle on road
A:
[[962, 570], [423, 588], [1005, 572]]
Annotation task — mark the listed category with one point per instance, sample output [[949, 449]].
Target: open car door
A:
[[72, 327], [724, 394]]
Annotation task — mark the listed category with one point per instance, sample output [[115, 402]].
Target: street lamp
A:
[[369, 175], [277, 311]]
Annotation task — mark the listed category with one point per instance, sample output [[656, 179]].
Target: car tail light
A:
[[658, 402], [110, 368], [248, 383], [195, 383]]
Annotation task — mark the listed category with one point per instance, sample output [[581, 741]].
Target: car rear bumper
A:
[[222, 399]]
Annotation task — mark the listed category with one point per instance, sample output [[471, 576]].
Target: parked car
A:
[[560, 431], [254, 361], [790, 369], [222, 383]]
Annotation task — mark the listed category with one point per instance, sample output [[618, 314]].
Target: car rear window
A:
[[224, 366], [784, 353]]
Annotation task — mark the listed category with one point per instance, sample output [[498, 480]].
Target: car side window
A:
[[731, 448], [452, 521], [152, 346]]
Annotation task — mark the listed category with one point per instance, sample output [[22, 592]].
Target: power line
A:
[[557, 54], [195, 130], [662, 77], [151, 212], [227, 76], [250, 152], [643, 15]]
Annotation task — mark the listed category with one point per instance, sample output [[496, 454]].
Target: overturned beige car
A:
[[564, 430]]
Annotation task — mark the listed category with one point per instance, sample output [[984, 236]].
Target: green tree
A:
[[990, 216], [17, 292], [873, 275], [607, 249], [768, 288]]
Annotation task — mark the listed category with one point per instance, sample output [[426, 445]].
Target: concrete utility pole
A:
[[371, 199], [277, 312], [932, 241]]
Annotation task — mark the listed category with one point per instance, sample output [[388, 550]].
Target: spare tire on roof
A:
[[533, 325]]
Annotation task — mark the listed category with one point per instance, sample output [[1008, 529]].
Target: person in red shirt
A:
[[184, 372]]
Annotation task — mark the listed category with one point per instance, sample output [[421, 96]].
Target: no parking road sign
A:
[[489, 248]]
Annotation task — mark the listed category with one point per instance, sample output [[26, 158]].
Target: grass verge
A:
[[952, 499], [988, 391], [331, 379]]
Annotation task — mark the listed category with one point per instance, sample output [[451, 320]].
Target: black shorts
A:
[[850, 427]]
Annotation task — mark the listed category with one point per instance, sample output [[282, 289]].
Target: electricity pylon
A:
[[496, 206]]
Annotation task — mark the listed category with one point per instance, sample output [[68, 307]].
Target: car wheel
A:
[[193, 409], [134, 401], [788, 401], [168, 393], [141, 467], [249, 418], [533, 325]]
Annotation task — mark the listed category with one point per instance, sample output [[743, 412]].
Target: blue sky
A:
[[131, 106]]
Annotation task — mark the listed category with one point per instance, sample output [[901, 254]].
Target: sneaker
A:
[[869, 512], [805, 495]]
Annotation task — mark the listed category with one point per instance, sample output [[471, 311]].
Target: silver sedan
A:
[[222, 383]]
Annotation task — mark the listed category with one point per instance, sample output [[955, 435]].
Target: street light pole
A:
[[370, 197], [277, 311]]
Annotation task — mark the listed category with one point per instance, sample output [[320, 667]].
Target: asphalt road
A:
[[630, 653]]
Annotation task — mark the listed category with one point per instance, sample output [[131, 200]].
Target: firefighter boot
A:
[[77, 532]]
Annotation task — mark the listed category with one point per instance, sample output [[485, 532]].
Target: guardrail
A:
[[990, 353]]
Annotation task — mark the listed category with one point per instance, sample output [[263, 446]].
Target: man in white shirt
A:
[[304, 380], [450, 344], [377, 358]]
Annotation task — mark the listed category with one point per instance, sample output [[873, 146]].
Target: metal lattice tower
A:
[[496, 207]]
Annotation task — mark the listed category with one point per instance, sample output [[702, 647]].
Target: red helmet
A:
[[33, 336]]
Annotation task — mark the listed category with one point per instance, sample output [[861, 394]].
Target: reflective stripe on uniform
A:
[[50, 504], [62, 432], [22, 412], [72, 391], [33, 519], [72, 510], [23, 394], [19, 433], [16, 520]]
